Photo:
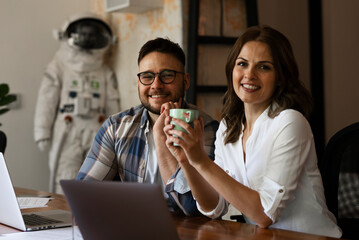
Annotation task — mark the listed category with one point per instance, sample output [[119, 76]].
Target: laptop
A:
[[119, 210], [11, 214]]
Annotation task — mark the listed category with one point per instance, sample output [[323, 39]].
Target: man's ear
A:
[[187, 81]]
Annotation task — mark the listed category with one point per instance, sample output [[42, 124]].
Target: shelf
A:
[[216, 40], [201, 42]]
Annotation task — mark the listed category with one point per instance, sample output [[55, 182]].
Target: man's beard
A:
[[150, 109], [158, 111]]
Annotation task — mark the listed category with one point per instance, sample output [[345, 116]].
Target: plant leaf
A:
[[7, 100], [4, 89], [3, 110]]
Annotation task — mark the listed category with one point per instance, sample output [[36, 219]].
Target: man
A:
[[130, 146]]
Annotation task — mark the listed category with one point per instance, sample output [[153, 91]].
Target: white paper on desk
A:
[[32, 202], [53, 234]]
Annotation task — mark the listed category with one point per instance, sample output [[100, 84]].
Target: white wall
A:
[[26, 47]]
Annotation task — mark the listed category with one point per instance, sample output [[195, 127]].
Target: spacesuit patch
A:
[[67, 108]]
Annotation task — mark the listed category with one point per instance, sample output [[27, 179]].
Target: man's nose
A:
[[157, 82]]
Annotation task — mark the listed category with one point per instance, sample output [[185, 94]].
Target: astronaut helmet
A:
[[87, 31]]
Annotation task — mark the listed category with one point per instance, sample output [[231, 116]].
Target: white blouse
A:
[[281, 165]]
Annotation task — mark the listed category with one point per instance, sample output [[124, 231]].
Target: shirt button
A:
[[280, 190]]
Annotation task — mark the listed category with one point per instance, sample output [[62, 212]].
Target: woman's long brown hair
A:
[[290, 92]]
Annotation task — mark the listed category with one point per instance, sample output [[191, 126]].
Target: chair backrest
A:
[[340, 172], [2, 142]]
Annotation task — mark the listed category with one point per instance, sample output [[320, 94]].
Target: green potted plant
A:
[[5, 98]]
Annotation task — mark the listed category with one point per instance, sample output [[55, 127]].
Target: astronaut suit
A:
[[78, 92]]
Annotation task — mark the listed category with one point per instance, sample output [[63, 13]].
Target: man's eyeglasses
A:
[[165, 76]]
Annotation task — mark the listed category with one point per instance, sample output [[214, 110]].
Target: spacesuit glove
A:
[[43, 145]]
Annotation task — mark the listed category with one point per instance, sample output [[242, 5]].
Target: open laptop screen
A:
[[114, 210]]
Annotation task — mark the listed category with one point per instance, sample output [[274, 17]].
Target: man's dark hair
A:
[[162, 45]]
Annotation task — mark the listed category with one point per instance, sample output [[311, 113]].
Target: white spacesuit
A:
[[77, 93]]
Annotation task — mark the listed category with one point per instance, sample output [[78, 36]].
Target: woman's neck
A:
[[252, 113]]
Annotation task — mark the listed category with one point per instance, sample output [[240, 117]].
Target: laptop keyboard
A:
[[34, 220]]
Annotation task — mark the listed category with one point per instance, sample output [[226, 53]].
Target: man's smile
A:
[[158, 96]]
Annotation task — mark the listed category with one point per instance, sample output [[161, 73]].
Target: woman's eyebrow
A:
[[264, 61], [241, 58]]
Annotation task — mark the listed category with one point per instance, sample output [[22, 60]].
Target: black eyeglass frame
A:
[[159, 76]]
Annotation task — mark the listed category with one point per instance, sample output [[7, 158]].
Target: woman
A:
[[265, 160]]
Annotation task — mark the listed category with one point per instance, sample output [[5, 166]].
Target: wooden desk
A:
[[192, 227]]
